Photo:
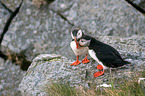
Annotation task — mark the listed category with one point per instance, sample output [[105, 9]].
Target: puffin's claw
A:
[[85, 60], [76, 63], [100, 72]]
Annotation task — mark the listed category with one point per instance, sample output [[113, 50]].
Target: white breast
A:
[[93, 55], [83, 50]]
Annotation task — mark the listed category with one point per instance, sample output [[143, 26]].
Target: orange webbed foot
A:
[[100, 72], [85, 60], [76, 63]]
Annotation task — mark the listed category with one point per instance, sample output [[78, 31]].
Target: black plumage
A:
[[108, 55]]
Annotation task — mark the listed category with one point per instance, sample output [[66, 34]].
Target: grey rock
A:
[[54, 68], [10, 77], [1, 64], [48, 68], [4, 14], [36, 31], [11, 4], [102, 17]]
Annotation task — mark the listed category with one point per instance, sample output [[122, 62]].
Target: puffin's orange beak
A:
[[77, 44]]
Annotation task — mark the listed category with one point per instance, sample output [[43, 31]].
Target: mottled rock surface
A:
[[102, 17], [10, 78], [37, 31], [43, 30], [47, 68], [34, 31]]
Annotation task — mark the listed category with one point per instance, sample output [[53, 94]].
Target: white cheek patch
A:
[[84, 42], [79, 34]]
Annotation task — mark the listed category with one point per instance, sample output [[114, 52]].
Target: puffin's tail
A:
[[119, 64], [126, 62]]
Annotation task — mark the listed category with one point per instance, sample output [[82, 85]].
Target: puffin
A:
[[105, 55], [76, 34]]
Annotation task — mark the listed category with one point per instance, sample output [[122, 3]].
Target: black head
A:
[[77, 33], [85, 41]]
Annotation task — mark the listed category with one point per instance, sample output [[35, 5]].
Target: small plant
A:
[[57, 89], [18, 59], [128, 87], [123, 88]]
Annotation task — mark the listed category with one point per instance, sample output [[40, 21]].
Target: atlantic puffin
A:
[[76, 34], [105, 55]]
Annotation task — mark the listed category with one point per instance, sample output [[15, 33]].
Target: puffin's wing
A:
[[109, 56]]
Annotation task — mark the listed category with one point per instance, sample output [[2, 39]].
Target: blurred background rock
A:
[[44, 26]]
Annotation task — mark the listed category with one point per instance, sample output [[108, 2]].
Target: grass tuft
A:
[[58, 89], [127, 87]]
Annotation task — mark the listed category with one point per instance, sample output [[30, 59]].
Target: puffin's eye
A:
[[78, 33], [82, 41]]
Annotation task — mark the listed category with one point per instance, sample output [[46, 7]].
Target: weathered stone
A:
[[10, 77], [102, 17], [43, 30], [40, 29], [36, 31], [48, 68], [11, 4], [1, 64], [4, 14]]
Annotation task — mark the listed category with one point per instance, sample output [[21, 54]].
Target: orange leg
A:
[[100, 72], [85, 60], [77, 61], [100, 67]]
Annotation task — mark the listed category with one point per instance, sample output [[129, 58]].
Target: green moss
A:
[[49, 59]]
